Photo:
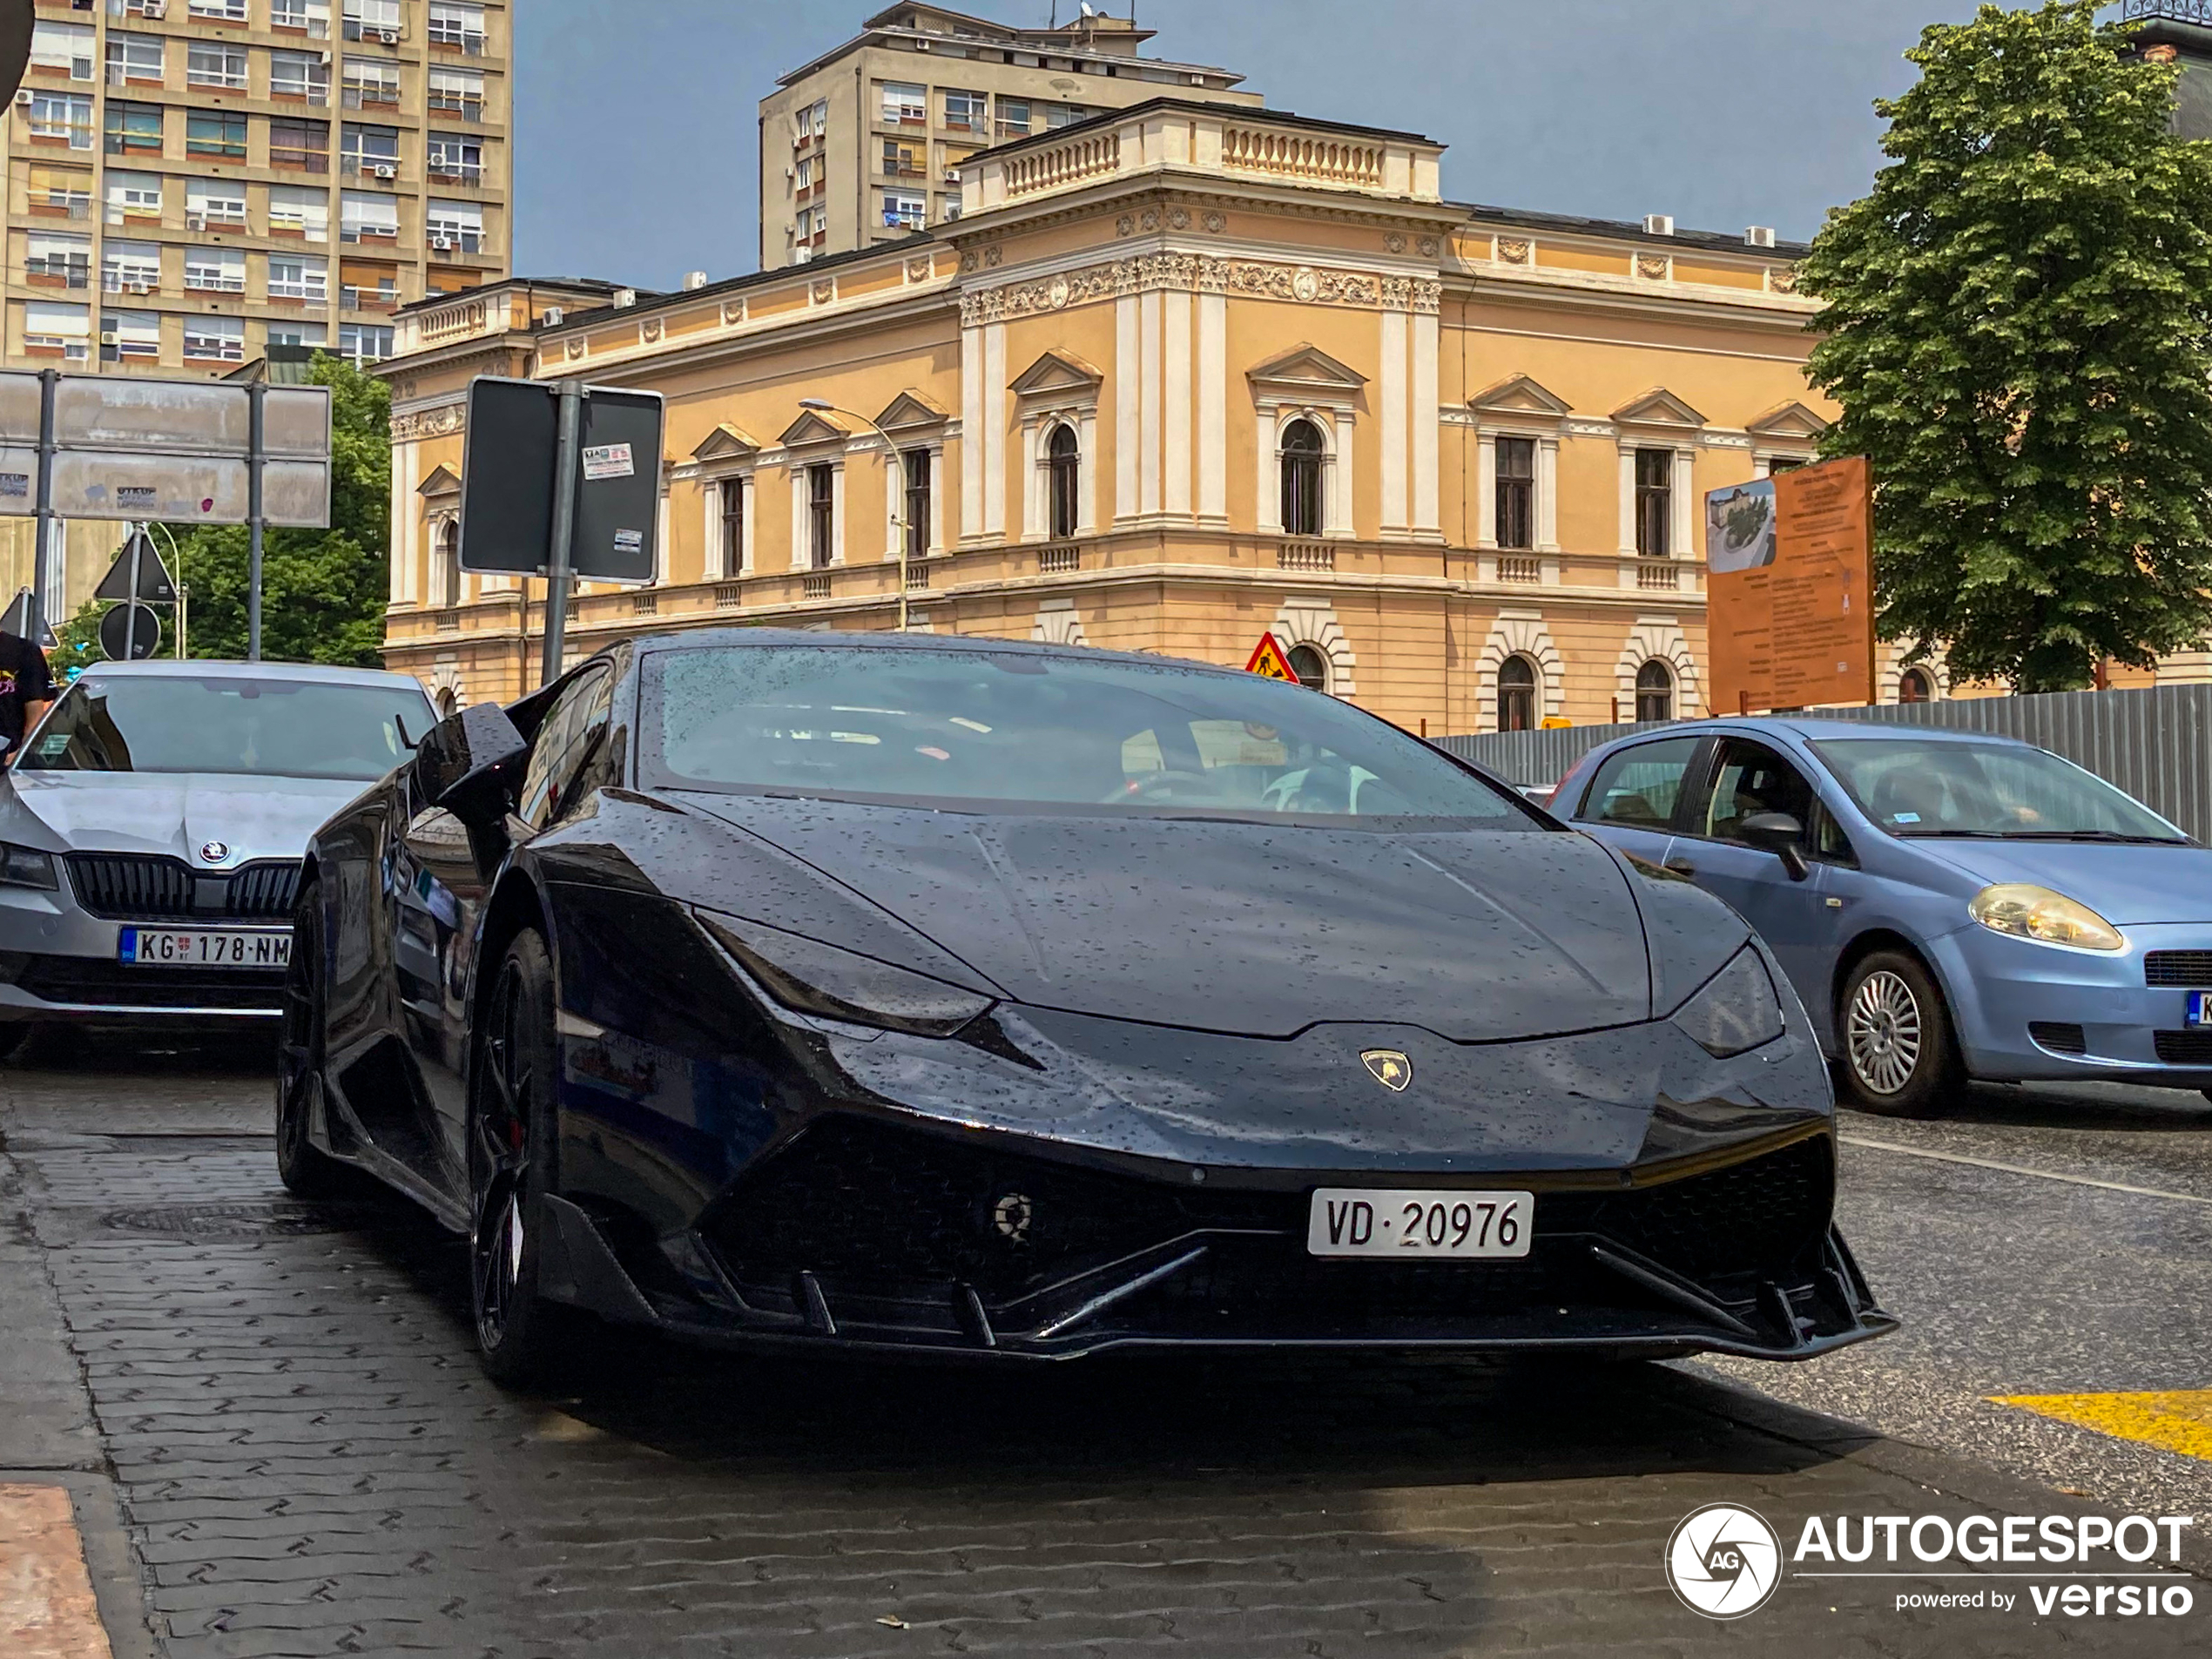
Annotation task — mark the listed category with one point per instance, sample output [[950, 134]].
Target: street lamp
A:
[[896, 483]]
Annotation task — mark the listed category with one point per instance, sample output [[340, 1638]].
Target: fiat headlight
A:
[[2030, 911]]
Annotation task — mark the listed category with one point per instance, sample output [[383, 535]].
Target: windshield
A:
[[958, 727], [220, 723], [1914, 788]]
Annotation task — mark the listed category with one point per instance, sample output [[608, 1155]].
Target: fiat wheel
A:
[[1898, 1055], [305, 1169], [510, 1160]]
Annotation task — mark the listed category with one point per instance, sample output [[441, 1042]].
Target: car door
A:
[[1631, 801], [1742, 778], [441, 879]]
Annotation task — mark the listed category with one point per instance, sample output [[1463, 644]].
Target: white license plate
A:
[[1412, 1225], [2200, 1008], [199, 947]]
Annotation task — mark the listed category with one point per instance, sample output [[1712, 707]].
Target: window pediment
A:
[[910, 408], [812, 426], [442, 481], [1660, 408], [1521, 396], [1791, 421], [1057, 372], [726, 442], [1306, 370]]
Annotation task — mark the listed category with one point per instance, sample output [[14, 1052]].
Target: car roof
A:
[[693, 638], [1813, 729], [195, 668]]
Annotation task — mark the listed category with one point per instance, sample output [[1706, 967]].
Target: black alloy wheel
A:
[[1898, 1055], [305, 1169], [519, 1333]]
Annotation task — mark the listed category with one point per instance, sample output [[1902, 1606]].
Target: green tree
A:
[[323, 592], [2018, 325]]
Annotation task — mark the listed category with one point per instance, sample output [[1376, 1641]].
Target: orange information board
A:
[[1269, 661], [1789, 590]]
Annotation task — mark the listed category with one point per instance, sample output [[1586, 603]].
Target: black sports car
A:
[[964, 995]]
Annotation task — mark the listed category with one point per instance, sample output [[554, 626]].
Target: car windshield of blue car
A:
[[1024, 730], [2010, 791], [274, 727]]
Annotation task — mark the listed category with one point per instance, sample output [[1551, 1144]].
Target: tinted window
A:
[[565, 739], [175, 723], [1638, 787], [1751, 778], [1016, 727]]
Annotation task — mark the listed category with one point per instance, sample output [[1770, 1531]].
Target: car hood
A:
[[1251, 928], [176, 813], [2126, 885]]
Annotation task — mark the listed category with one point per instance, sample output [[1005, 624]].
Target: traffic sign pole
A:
[[130, 619], [48, 380], [566, 452], [257, 395]]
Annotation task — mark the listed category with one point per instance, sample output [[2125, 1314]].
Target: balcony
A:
[[1305, 556], [646, 604], [1658, 575], [369, 298], [814, 587], [1059, 561], [2195, 11], [215, 221], [1519, 567], [67, 207], [292, 159], [728, 596], [917, 578], [57, 273]]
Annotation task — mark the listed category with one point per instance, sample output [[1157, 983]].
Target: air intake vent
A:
[[2056, 1038], [2178, 967]]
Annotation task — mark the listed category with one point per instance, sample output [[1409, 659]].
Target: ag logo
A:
[[1723, 1561]]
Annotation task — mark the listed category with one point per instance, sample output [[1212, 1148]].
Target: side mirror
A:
[[462, 763], [1780, 835]]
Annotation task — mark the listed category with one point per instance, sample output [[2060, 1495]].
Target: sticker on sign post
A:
[[630, 541], [608, 461]]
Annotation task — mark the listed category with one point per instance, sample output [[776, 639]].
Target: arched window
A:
[[1310, 667], [447, 701], [1655, 692], [1061, 461], [1301, 479], [1516, 695], [1915, 686], [448, 572]]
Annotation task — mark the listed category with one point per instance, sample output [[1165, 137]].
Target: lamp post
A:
[[896, 484]]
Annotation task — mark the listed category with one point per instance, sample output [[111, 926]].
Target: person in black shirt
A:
[[26, 692]]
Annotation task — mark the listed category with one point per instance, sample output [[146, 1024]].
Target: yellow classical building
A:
[[1178, 377]]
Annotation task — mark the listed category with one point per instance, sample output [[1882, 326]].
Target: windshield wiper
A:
[[2114, 836]]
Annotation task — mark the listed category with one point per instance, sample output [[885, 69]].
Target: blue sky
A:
[[636, 120]]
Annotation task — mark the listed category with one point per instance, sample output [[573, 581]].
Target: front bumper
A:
[[881, 1233], [58, 963], [2029, 1012]]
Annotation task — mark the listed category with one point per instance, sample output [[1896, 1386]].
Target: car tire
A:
[[305, 1169], [1899, 1057], [520, 1337], [16, 1036]]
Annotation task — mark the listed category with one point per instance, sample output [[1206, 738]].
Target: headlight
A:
[[23, 866], [2029, 912], [818, 979], [1737, 1011]]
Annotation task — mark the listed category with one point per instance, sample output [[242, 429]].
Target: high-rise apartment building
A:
[[859, 146], [191, 181]]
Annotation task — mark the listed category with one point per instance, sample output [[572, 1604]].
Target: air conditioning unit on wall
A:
[[385, 170]]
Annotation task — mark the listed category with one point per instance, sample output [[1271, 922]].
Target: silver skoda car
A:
[[151, 828]]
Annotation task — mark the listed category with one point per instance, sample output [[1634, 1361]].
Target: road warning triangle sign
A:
[[24, 621], [154, 582], [1269, 661]]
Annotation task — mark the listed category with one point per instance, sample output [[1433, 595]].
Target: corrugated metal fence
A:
[[2153, 744]]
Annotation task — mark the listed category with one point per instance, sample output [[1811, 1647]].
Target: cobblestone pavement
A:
[[279, 1444]]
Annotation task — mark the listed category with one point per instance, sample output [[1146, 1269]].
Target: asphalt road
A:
[[272, 1438]]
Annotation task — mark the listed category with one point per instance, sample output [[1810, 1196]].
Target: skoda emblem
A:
[[214, 852], [1391, 1068]]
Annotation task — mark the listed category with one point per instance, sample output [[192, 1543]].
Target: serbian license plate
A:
[[1415, 1225], [209, 947], [2200, 1008]]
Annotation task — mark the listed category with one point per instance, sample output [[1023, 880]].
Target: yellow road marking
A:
[[46, 1606], [2178, 1422]]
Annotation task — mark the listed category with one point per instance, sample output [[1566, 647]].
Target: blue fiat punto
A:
[[1948, 905]]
